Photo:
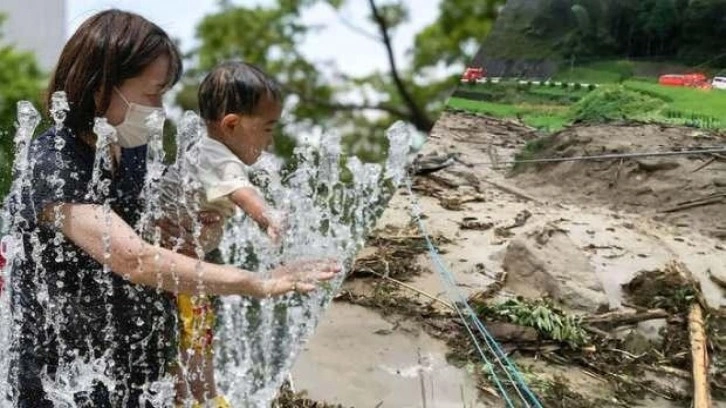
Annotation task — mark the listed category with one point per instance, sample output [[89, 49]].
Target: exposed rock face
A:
[[501, 52]]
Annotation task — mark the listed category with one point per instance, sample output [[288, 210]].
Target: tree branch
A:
[[358, 30], [418, 117]]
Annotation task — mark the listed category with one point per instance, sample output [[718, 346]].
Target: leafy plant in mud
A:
[[664, 289], [552, 391], [531, 149], [540, 314], [287, 398], [396, 250]]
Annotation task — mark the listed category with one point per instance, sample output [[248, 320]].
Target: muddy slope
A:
[[550, 231], [687, 191]]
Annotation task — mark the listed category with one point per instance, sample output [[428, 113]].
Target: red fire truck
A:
[[473, 74], [696, 80]]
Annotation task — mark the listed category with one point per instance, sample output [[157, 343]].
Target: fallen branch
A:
[[718, 281], [714, 200], [633, 306], [626, 317], [699, 355], [411, 288], [512, 190], [595, 330], [492, 289], [443, 181], [676, 372], [704, 165], [701, 199], [456, 203], [662, 391]]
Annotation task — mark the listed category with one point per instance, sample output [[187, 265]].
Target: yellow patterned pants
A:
[[197, 318], [218, 402]]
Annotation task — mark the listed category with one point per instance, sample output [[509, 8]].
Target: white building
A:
[[37, 26]]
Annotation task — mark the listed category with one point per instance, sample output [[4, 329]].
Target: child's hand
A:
[[276, 226], [275, 233]]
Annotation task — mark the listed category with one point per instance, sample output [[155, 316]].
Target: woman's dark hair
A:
[[107, 49], [235, 87]]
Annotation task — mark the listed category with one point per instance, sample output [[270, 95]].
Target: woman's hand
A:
[[300, 277], [212, 228]]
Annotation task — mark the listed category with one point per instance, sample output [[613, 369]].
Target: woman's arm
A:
[[142, 263]]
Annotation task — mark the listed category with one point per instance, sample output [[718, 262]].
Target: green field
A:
[[549, 118], [624, 93], [598, 73], [688, 100]]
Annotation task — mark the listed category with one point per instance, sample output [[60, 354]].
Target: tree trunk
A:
[[699, 356], [417, 116]]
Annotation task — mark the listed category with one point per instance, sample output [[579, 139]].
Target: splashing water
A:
[[28, 120], [330, 203], [330, 216]]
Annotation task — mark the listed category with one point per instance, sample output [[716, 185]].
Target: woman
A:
[[77, 297]]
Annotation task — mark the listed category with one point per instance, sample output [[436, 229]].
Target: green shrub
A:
[[578, 86], [614, 103], [649, 92]]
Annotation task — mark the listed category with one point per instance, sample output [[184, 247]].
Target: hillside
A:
[[533, 37]]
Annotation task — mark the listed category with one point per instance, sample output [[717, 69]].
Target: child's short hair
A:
[[235, 87]]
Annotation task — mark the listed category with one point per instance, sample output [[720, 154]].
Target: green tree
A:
[[703, 32], [657, 22], [690, 31], [456, 34], [270, 36], [21, 79]]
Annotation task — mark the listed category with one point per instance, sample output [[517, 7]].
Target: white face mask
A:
[[140, 121]]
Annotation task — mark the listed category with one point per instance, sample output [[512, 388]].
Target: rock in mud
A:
[[553, 267], [651, 165], [719, 182], [636, 343]]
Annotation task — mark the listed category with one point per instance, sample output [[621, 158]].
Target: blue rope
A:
[[448, 279]]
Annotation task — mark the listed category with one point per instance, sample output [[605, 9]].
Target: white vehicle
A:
[[719, 82]]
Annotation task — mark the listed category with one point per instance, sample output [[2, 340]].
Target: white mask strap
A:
[[122, 96]]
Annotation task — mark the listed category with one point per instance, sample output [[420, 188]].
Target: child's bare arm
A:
[[247, 199]]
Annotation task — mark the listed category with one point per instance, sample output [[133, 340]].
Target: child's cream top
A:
[[204, 184], [219, 172], [207, 181]]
